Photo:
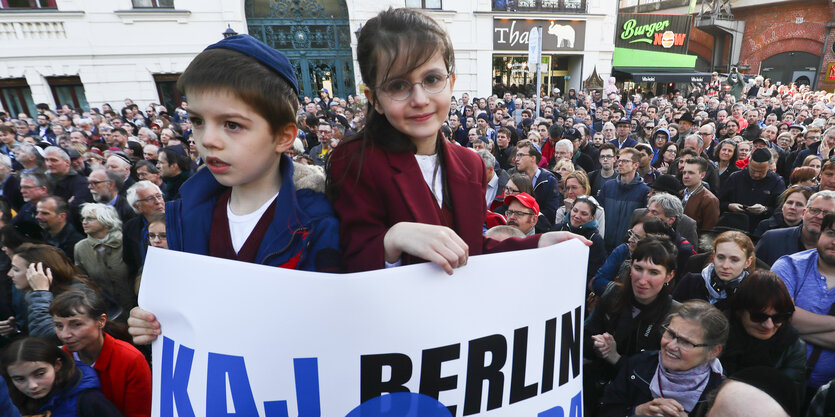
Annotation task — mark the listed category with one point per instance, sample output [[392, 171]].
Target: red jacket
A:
[[389, 188], [125, 377]]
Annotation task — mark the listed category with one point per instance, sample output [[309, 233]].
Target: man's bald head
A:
[[738, 399]]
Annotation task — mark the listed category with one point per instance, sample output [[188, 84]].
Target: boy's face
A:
[[236, 142]]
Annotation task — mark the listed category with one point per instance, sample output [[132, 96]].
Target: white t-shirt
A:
[[240, 227], [427, 165]]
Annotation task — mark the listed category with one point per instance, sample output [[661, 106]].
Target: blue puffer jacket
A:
[[304, 233], [7, 409], [81, 397], [619, 200]]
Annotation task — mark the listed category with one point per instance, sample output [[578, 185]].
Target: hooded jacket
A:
[[655, 150], [304, 233]]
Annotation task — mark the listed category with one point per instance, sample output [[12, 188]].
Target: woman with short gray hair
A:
[[99, 256]]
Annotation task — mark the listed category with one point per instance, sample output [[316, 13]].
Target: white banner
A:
[[500, 337]]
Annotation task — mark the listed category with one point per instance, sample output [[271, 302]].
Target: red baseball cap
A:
[[524, 199]]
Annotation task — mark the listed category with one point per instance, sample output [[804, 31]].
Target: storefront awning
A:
[[658, 75]]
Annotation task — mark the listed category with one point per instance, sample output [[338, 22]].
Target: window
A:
[[571, 6], [169, 95], [16, 97], [424, 4], [28, 4], [152, 4], [70, 91]]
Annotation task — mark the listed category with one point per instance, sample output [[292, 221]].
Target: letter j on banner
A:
[[500, 337]]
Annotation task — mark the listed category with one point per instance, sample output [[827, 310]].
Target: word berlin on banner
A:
[[500, 337]]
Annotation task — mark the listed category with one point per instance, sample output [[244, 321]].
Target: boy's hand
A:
[[143, 326]]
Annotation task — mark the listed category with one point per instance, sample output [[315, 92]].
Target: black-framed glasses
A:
[[683, 343], [515, 213], [401, 89], [760, 317], [95, 183]]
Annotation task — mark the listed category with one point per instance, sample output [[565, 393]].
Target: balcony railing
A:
[[550, 6]]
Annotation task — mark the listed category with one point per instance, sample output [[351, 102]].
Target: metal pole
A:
[[539, 75]]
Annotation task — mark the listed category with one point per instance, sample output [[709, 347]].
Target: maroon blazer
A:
[[389, 188]]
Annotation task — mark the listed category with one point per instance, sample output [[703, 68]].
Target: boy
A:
[[242, 102]]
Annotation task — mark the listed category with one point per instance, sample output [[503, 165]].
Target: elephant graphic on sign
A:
[[564, 33]]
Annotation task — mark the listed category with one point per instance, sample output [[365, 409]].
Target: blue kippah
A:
[[270, 57]]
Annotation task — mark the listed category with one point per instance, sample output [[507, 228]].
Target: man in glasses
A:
[[778, 242], [146, 199], [810, 278], [621, 197], [545, 184], [606, 173], [522, 212]]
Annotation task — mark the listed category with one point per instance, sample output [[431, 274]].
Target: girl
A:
[[44, 380], [403, 195], [667, 154], [733, 255], [581, 220], [41, 272], [81, 324]]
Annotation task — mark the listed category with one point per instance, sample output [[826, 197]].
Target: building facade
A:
[[86, 52], [784, 40]]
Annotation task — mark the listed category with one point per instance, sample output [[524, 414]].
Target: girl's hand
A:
[[38, 279], [143, 326], [552, 238], [437, 244], [664, 407]]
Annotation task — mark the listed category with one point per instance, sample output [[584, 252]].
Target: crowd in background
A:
[[724, 195]]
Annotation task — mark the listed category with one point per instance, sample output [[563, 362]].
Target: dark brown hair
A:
[[35, 349], [759, 291], [267, 93], [64, 272]]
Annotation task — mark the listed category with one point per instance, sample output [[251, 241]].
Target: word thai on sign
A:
[[557, 35], [500, 337], [653, 32]]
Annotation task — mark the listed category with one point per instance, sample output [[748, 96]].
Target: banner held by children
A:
[[500, 337]]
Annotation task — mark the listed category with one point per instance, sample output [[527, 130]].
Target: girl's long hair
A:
[[34, 349]]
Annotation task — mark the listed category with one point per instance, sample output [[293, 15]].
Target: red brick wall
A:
[[701, 43], [771, 30]]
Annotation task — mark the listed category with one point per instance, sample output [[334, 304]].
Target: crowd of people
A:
[[710, 217]]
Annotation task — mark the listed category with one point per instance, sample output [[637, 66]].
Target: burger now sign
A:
[[653, 32]]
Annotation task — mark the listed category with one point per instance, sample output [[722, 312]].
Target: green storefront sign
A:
[[653, 32]]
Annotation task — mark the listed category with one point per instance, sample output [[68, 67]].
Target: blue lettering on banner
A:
[[576, 408], [174, 380], [175, 377]]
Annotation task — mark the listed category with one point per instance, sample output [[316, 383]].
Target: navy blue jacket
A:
[[630, 142], [7, 409], [81, 397], [630, 388], [304, 233], [619, 200], [547, 194], [741, 189], [778, 242]]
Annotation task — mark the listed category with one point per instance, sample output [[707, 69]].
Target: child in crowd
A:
[[242, 102], [402, 193], [44, 381]]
